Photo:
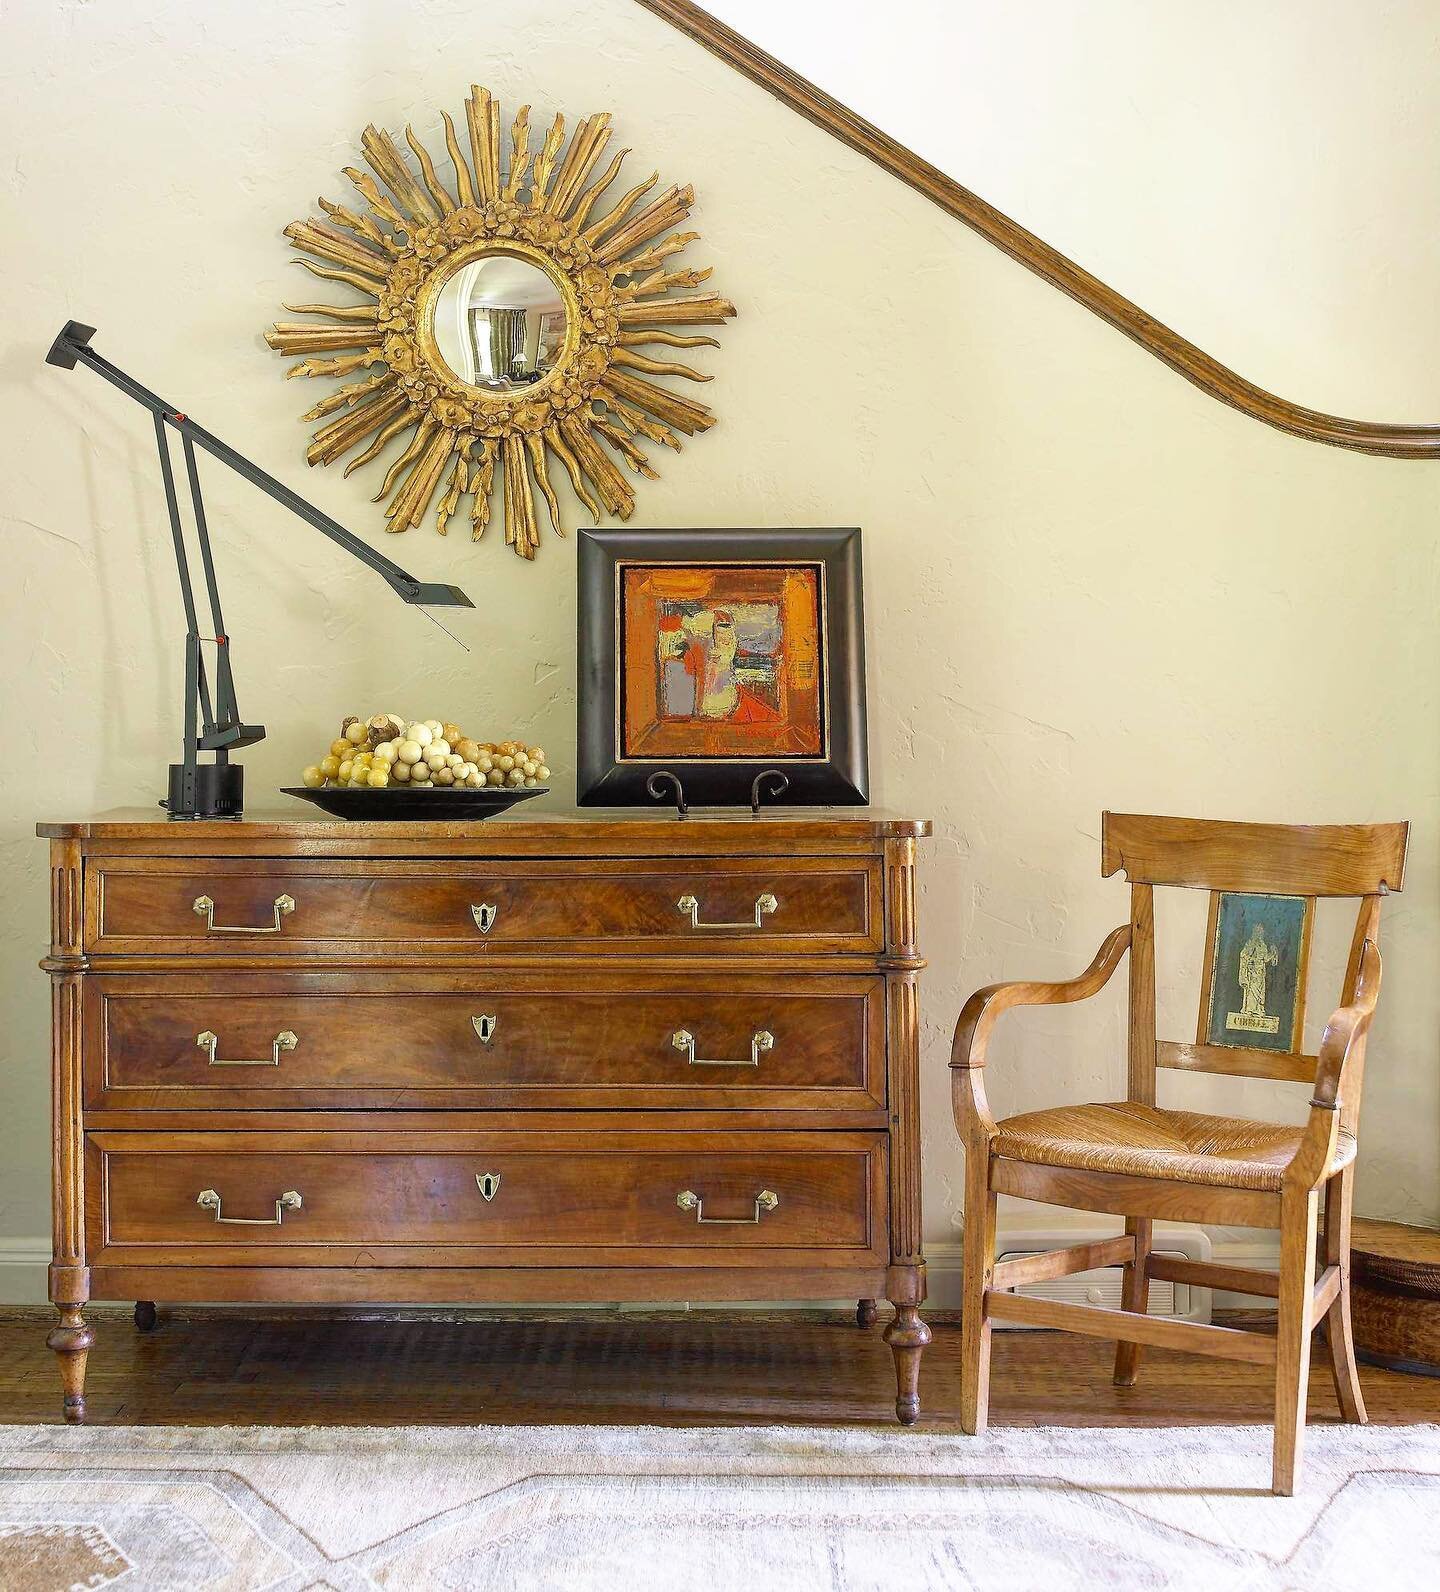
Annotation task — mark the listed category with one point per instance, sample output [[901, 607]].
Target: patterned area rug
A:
[[644, 1509]]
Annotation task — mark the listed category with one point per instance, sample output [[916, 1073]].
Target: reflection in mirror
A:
[[500, 324]]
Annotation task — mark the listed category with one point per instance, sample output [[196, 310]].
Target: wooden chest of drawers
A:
[[536, 1059]]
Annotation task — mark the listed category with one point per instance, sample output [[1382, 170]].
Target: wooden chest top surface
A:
[[736, 830]]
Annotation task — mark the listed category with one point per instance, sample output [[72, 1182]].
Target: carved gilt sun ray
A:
[[541, 202]]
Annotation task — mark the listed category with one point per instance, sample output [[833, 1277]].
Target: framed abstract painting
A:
[[714, 655]]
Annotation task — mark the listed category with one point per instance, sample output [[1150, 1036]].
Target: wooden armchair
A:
[[1132, 1158]]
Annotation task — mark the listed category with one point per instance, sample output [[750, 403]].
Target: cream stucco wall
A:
[[1088, 585]]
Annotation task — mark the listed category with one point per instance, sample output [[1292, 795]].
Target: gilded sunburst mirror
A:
[[499, 323]]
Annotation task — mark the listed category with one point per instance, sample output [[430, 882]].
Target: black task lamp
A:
[[215, 790]]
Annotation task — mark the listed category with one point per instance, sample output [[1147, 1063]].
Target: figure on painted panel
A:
[[1258, 950]]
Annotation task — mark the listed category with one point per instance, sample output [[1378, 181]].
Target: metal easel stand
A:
[[662, 777]]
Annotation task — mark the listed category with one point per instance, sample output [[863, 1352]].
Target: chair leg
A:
[[978, 1275], [1292, 1334], [1134, 1296], [1339, 1196]]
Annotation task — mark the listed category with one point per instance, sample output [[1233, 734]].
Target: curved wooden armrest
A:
[[972, 1031], [1344, 1037], [1346, 1025]]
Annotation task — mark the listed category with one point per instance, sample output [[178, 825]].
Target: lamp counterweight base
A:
[[207, 790]]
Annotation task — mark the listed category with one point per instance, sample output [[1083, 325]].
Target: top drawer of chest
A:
[[703, 906]]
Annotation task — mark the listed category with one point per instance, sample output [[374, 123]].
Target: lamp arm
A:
[[73, 344]]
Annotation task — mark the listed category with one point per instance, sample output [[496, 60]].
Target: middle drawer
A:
[[569, 1040]]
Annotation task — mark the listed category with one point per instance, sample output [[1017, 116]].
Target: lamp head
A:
[[430, 594]]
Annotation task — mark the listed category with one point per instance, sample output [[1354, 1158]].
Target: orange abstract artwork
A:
[[721, 661]]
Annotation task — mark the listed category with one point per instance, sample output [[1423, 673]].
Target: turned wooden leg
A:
[[978, 1275], [866, 1314], [907, 1336], [1339, 1194], [72, 1341], [1292, 1335], [1135, 1296], [146, 1318]]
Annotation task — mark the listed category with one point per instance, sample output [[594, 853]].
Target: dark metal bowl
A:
[[397, 804]]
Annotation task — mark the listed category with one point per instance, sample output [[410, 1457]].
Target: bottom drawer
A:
[[508, 1198]]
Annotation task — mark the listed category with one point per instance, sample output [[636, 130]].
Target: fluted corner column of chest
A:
[[564, 1059]]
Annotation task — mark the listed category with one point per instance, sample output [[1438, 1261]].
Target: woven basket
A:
[[1395, 1296]]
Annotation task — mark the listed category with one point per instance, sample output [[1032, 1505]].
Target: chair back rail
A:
[[1283, 1065], [1273, 859]]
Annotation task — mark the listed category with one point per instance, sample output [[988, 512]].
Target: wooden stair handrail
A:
[[1182, 356]]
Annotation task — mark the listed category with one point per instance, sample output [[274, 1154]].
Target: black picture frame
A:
[[840, 776]]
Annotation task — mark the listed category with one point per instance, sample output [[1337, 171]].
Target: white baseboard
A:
[[23, 1263], [24, 1267]]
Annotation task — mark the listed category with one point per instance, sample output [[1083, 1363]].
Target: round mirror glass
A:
[[500, 324]]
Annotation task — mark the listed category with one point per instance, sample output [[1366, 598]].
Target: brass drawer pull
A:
[[766, 1200], [484, 914], [288, 1201], [204, 907], [485, 1025], [282, 1041], [691, 908], [683, 1039]]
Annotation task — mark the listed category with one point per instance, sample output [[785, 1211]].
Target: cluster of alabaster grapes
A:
[[384, 750]]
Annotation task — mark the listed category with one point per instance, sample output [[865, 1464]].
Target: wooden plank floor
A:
[[707, 1367]]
